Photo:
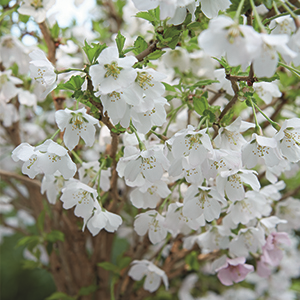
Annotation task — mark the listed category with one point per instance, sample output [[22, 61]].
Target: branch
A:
[[290, 193], [234, 79], [49, 41], [24, 179], [150, 49]]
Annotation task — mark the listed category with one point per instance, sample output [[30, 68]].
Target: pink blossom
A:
[[234, 270], [272, 252]]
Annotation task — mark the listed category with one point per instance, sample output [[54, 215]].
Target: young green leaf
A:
[[120, 41], [93, 51], [139, 45]]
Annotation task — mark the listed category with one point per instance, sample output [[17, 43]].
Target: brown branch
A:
[[278, 109], [290, 193], [215, 97], [18, 229], [229, 105], [113, 14], [114, 174], [21, 178], [234, 79], [49, 42], [151, 48]]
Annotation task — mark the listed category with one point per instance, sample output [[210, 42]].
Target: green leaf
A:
[[192, 261], [93, 51], [120, 41], [155, 55], [170, 97], [128, 50], [194, 25], [49, 248], [139, 45], [200, 104], [227, 119], [147, 16], [30, 264], [268, 3], [108, 266], [29, 241], [55, 31], [123, 262], [202, 83], [235, 4], [222, 62], [23, 18], [86, 290], [55, 235], [212, 118], [269, 79], [169, 87], [60, 296], [40, 221], [74, 83], [4, 2]]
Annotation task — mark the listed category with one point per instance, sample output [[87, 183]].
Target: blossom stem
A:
[[157, 259], [203, 119], [53, 136], [276, 8], [69, 70], [98, 174], [238, 12], [172, 114], [278, 14], [141, 144], [257, 127], [172, 189], [293, 15], [274, 124], [293, 70], [76, 156], [160, 136], [257, 17]]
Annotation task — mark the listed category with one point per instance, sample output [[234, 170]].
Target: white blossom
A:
[[42, 71], [103, 219], [112, 73], [211, 7], [36, 8], [46, 158], [81, 196], [153, 223], [76, 124], [153, 274]]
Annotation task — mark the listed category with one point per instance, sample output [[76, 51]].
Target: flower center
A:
[[8, 43], [40, 77], [233, 33], [144, 80], [36, 4], [3, 79], [112, 70], [78, 122], [114, 96], [83, 197], [148, 163]]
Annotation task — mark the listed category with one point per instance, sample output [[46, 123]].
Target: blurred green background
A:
[[17, 283]]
